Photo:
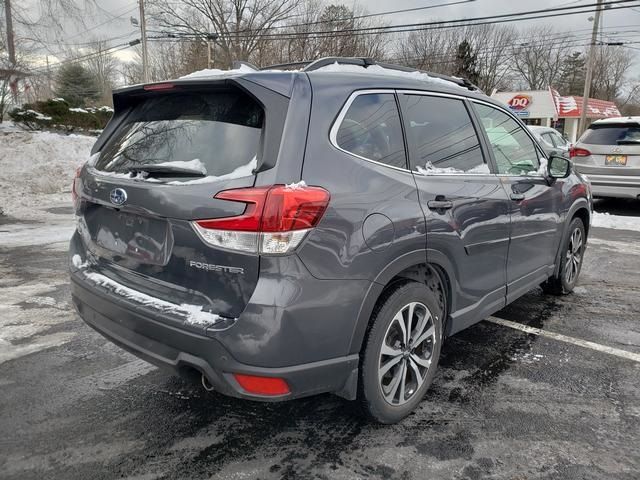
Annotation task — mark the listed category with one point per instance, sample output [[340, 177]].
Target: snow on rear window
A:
[[219, 132]]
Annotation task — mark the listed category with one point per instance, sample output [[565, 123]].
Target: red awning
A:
[[571, 106]]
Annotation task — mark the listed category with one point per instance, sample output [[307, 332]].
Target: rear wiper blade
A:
[[628, 142], [166, 171]]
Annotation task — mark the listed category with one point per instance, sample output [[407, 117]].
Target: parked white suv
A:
[[609, 153]]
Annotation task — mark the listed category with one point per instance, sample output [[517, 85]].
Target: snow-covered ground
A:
[[36, 171], [621, 222]]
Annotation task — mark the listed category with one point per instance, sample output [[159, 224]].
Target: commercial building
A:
[[550, 109]]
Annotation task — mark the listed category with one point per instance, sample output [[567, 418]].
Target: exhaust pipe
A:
[[205, 383]]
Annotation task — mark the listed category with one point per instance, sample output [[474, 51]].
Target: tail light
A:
[[276, 219], [154, 87], [74, 192], [578, 152]]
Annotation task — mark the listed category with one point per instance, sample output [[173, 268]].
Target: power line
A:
[[129, 10], [406, 27], [315, 35]]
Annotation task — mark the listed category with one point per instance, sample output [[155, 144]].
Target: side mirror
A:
[[558, 167]]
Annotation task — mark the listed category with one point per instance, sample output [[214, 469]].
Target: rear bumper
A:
[[162, 342], [618, 186]]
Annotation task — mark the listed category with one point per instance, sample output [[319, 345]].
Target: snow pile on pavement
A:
[[37, 168], [620, 222]]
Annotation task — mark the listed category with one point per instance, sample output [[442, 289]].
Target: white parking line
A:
[[564, 338]]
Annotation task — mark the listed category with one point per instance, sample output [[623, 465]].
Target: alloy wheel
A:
[[406, 353], [573, 256]]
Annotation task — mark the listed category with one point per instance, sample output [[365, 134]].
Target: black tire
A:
[[385, 327], [565, 280]]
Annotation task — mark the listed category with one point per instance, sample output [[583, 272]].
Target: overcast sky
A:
[[623, 24]]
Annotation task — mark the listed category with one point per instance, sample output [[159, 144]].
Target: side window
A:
[[547, 137], [371, 129], [443, 136], [559, 140], [513, 149]]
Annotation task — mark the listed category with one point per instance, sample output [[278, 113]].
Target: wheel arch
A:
[[420, 266]]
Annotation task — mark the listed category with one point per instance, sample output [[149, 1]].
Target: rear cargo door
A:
[[611, 149], [141, 196]]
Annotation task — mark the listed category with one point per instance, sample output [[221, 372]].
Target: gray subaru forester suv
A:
[[288, 233]]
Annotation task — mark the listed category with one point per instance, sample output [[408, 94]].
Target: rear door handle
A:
[[439, 204], [517, 197]]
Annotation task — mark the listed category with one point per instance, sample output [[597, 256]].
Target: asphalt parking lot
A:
[[505, 404]]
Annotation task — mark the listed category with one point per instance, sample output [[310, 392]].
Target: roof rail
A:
[[311, 65], [280, 66]]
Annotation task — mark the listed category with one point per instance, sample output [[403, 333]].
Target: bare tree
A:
[[241, 25], [103, 66], [436, 49], [431, 50], [611, 65], [320, 30], [538, 60], [492, 44]]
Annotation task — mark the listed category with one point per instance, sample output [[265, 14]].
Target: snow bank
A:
[[619, 222], [37, 168]]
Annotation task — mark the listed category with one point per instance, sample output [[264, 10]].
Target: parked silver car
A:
[[551, 140], [609, 153]]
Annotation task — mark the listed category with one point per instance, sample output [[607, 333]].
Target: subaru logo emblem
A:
[[118, 196]]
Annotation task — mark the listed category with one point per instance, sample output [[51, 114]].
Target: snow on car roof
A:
[[617, 120], [332, 68], [378, 70], [216, 72]]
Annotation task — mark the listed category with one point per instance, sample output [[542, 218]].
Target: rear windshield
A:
[[219, 129], [611, 134]]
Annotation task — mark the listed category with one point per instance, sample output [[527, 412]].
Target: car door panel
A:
[[535, 232], [466, 207], [535, 201]]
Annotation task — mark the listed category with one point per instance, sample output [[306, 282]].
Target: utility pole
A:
[[589, 74], [143, 32], [11, 49], [49, 78]]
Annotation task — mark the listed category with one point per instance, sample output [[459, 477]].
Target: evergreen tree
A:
[[572, 75], [76, 85], [467, 62]]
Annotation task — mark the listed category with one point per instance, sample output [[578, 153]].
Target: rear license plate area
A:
[[124, 234], [615, 160]]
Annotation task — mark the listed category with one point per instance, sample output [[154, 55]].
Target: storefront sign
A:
[[519, 102]]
